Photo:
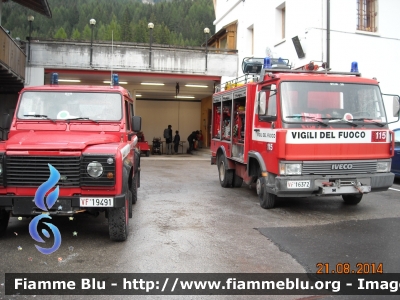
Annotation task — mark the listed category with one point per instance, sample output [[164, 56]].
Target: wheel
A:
[[225, 175], [133, 189], [352, 199], [4, 218], [267, 200], [148, 153], [237, 181], [118, 221]]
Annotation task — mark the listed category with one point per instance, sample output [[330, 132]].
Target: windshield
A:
[[331, 102], [70, 105]]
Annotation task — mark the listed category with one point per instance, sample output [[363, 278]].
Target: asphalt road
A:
[[184, 222]]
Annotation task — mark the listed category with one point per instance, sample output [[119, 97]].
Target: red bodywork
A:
[[255, 147], [143, 145], [72, 138]]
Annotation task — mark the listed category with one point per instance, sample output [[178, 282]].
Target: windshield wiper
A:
[[40, 116], [82, 118], [309, 117], [370, 120], [340, 119]]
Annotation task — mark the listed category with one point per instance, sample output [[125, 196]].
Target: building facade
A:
[[364, 31]]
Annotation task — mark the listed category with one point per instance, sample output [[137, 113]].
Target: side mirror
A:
[[262, 102], [136, 123], [6, 121], [396, 106]]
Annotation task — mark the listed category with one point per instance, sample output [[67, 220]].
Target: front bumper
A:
[[64, 206], [329, 185]]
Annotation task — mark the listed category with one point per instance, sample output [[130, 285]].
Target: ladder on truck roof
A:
[[254, 71]]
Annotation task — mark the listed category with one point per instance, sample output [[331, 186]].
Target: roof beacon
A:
[[354, 67], [267, 63], [54, 78], [115, 80]]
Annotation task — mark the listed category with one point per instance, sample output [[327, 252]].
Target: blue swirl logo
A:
[[40, 203]]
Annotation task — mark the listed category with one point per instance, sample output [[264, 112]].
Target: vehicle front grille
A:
[[339, 167], [32, 171]]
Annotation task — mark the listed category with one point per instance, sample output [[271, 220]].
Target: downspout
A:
[[328, 34]]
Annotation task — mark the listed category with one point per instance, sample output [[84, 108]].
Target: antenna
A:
[[112, 56]]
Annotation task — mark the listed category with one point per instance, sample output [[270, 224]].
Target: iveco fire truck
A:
[[302, 132], [88, 134]]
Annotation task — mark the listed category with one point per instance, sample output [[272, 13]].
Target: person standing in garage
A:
[[177, 139], [168, 138]]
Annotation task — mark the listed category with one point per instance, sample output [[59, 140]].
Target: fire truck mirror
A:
[[136, 123], [6, 121], [396, 106], [262, 103]]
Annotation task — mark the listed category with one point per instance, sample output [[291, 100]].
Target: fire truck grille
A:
[[33, 170], [339, 167]]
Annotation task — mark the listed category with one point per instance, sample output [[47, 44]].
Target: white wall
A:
[[157, 115], [376, 53], [34, 76]]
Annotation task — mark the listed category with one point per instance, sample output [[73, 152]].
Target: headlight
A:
[[290, 169], [383, 166], [95, 169]]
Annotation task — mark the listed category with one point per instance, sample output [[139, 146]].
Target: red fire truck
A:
[[303, 132], [88, 134]]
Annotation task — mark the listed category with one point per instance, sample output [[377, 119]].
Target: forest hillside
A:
[[177, 22]]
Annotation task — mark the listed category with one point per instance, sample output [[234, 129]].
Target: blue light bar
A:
[[54, 78], [267, 63], [115, 79], [354, 67]]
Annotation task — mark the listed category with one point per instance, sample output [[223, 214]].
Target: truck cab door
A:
[[264, 122], [265, 112]]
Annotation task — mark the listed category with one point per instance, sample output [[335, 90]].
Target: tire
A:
[[267, 200], [118, 222], [134, 187], [352, 199], [4, 218], [237, 181], [148, 153], [225, 175]]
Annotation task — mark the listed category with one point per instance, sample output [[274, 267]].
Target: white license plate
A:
[[298, 184], [96, 202]]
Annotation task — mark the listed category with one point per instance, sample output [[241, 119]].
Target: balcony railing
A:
[[12, 62]]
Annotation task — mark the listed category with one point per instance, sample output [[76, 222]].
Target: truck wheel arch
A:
[[255, 164], [221, 151]]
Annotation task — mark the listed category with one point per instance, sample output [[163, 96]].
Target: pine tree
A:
[[60, 34], [126, 33], [87, 33], [76, 35]]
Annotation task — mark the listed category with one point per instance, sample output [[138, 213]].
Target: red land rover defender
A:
[[88, 133]]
